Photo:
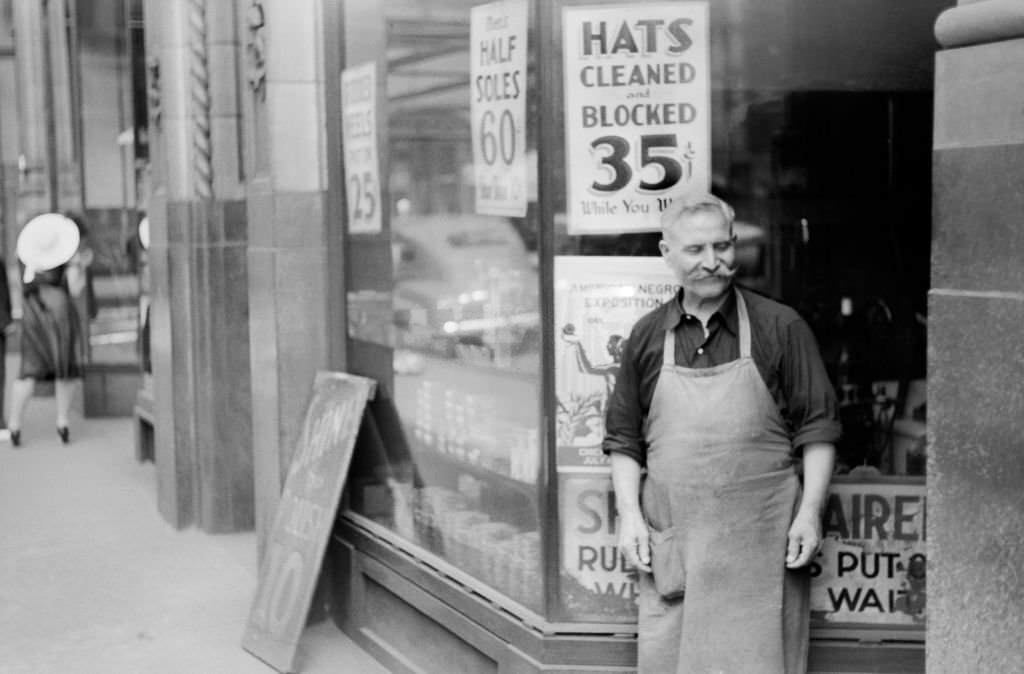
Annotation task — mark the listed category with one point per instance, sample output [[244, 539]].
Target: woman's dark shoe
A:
[[64, 433], [16, 437]]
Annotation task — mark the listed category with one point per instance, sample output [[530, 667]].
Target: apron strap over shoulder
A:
[[670, 347], [744, 321]]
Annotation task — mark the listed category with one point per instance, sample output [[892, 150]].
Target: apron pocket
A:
[[667, 565]]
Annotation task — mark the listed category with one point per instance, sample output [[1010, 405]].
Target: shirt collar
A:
[[726, 314]]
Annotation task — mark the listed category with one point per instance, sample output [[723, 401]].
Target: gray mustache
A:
[[723, 271]]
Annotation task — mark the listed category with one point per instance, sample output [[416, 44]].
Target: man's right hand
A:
[[635, 541]]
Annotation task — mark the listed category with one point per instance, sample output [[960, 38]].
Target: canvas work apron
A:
[[720, 480]]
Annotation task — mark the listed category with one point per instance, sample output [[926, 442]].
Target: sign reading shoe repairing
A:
[[637, 112], [304, 517], [871, 571], [872, 566]]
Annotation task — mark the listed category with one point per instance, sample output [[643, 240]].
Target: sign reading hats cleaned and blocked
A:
[[304, 518], [637, 112]]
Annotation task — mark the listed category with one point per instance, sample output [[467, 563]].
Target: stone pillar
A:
[[9, 145], [65, 105], [199, 237], [34, 184], [976, 344], [45, 109], [288, 221]]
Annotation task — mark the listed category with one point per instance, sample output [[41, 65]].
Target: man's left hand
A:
[[804, 540]]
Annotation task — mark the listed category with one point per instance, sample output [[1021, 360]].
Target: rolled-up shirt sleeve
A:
[[624, 414], [813, 411]]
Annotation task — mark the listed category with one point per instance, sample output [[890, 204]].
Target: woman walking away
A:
[[50, 331]]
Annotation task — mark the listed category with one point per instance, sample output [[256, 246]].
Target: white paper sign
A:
[[597, 301], [359, 137], [497, 38], [637, 112], [596, 583], [873, 565]]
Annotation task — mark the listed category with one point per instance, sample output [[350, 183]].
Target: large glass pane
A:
[[109, 303], [459, 314], [821, 140]]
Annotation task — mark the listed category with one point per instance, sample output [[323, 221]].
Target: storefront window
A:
[[109, 301], [453, 296], [819, 136], [821, 140], [823, 147]]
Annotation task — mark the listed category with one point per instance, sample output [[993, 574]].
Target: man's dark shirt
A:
[[5, 300], [783, 348]]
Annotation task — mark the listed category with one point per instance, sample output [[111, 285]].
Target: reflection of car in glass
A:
[[465, 286]]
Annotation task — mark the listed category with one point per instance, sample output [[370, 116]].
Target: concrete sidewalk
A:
[[93, 580]]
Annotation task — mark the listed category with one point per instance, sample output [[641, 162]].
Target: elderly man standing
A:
[[718, 391]]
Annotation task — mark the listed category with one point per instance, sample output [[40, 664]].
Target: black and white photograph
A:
[[511, 336]]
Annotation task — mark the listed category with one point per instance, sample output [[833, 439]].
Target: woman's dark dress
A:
[[50, 331]]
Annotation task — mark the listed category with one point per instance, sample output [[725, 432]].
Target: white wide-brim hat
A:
[[144, 233], [47, 241]]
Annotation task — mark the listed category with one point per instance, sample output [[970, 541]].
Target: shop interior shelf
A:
[[428, 457]]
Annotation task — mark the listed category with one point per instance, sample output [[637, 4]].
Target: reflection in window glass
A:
[[822, 143], [466, 325], [108, 303], [821, 140]]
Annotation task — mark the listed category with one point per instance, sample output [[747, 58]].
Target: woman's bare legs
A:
[[64, 390], [21, 391]]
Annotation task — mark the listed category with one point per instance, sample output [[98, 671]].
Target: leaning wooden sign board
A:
[[304, 518]]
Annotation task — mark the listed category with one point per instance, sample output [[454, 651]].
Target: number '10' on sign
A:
[[657, 149]]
